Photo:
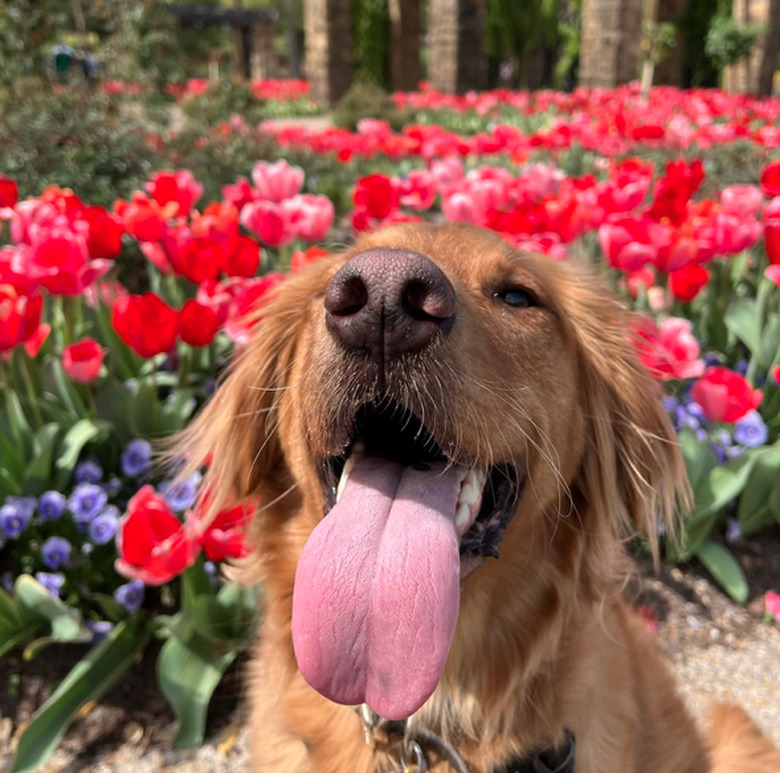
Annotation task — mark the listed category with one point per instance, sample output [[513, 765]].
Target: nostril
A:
[[422, 301], [346, 298]]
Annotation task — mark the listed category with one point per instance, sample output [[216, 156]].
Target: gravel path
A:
[[719, 651]]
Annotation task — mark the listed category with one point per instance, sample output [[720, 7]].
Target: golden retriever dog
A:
[[451, 441]]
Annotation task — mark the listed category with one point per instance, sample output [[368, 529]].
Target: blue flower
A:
[[55, 552], [13, 520], [136, 458], [100, 629], [751, 431], [7, 581], [130, 595], [51, 505], [103, 527], [182, 495], [88, 472], [53, 582], [741, 367], [86, 501], [25, 505]]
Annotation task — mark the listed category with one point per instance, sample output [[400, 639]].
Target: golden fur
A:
[[544, 640]]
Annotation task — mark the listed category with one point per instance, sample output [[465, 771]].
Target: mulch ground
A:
[[719, 650]]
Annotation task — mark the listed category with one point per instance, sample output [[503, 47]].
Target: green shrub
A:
[[366, 100], [221, 100]]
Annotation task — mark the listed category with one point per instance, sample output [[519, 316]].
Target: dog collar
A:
[[414, 742]]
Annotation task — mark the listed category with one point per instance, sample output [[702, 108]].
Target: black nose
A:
[[389, 303]]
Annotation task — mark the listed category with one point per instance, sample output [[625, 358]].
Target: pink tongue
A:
[[377, 589]]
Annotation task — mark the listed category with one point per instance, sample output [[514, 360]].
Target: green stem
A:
[[762, 299], [32, 392], [185, 364], [16, 430]]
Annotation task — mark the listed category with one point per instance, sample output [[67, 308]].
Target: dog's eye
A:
[[516, 297]]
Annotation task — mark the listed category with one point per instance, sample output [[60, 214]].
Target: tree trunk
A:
[[405, 25], [457, 28], [328, 29]]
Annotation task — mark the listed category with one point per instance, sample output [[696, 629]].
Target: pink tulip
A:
[[741, 200], [82, 361], [669, 351], [310, 216], [418, 190], [270, 221], [459, 206], [277, 182], [772, 601]]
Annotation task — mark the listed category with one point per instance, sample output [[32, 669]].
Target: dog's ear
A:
[[236, 432], [632, 473]]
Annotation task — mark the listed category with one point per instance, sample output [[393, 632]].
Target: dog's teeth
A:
[[469, 494], [462, 516], [349, 465]]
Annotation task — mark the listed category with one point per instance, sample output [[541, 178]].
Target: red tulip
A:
[[669, 351], [770, 179], [143, 218], [179, 188], [241, 257], [300, 260], [58, 258], [9, 192], [82, 361], [629, 242], [687, 282], [418, 190], [218, 221], [225, 535], [772, 241], [248, 298], [105, 233], [153, 545], [36, 341], [277, 182], [775, 372], [725, 395], [145, 323], [197, 324], [20, 316], [377, 194]]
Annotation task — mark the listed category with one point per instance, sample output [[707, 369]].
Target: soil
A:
[[719, 650]]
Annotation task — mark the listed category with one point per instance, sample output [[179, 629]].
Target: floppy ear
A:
[[632, 472], [236, 431]]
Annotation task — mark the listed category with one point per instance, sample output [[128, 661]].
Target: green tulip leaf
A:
[[37, 474], [754, 505], [725, 568], [72, 444], [741, 319], [102, 667]]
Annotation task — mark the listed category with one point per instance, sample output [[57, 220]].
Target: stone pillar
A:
[[754, 73], [328, 33], [611, 34], [263, 56], [457, 60], [405, 31]]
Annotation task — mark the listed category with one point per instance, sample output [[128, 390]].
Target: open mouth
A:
[[378, 583], [488, 494]]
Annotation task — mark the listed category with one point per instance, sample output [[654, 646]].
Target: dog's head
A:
[[427, 400]]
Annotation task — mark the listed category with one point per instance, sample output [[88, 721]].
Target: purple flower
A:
[[669, 402], [53, 582], [741, 367], [55, 552], [100, 629], [88, 472], [112, 486], [7, 581], [733, 530], [86, 501], [751, 430], [182, 495], [25, 505], [136, 458], [103, 527], [130, 595], [51, 505], [13, 520]]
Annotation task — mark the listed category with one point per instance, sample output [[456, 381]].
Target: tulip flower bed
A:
[[100, 544]]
